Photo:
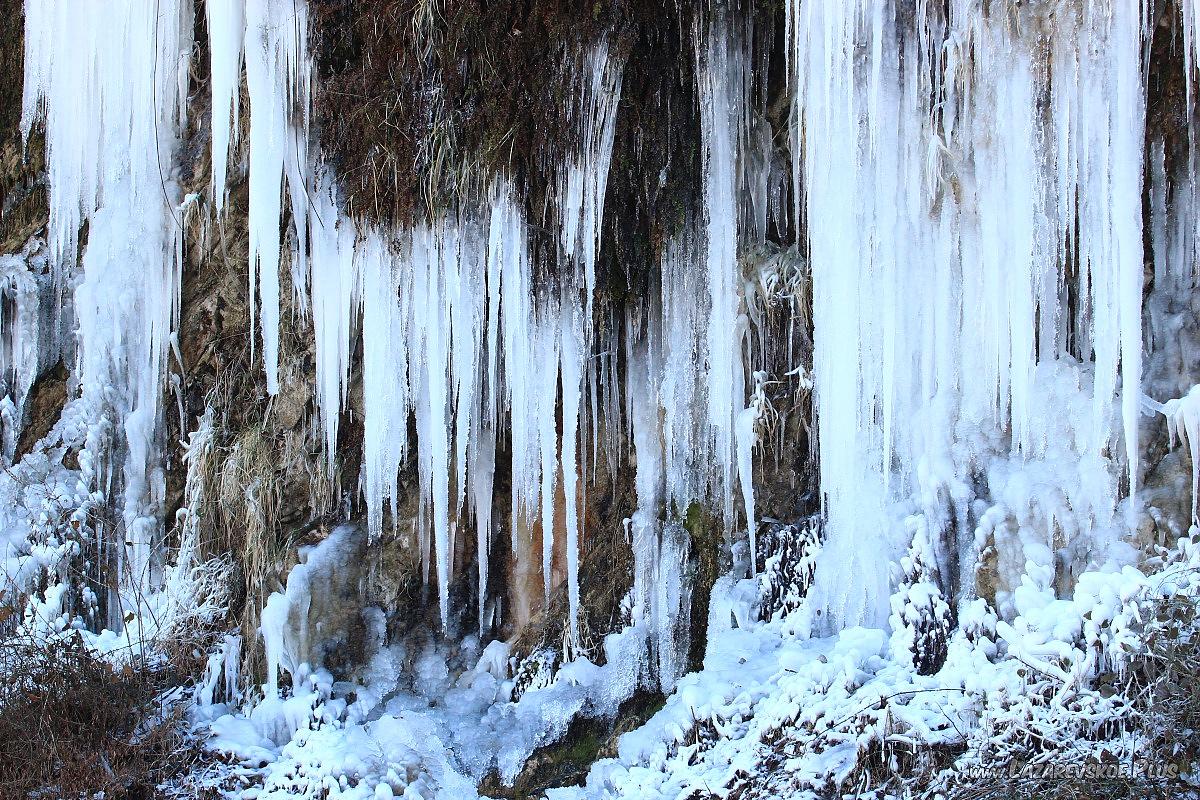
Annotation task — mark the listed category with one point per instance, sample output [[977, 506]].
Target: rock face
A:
[[551, 314]]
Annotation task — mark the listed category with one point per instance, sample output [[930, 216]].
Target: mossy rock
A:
[[567, 761], [707, 540]]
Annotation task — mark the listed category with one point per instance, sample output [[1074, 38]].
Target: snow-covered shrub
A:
[[787, 557], [921, 621], [535, 671], [50, 558], [1093, 696], [1048, 704]]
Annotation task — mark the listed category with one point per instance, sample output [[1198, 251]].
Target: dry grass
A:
[[23, 202], [419, 104], [73, 725], [418, 94]]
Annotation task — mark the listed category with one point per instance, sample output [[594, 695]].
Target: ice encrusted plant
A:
[[1105, 708], [921, 620], [1069, 697]]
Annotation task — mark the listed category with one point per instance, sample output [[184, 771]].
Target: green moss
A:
[[705, 534], [581, 751], [566, 762]]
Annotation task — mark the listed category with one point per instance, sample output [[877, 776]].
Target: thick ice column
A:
[[721, 108], [111, 135], [1128, 122], [512, 363], [949, 173], [1099, 113], [828, 103]]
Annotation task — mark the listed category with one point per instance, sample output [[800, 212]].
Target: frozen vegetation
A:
[[955, 226]]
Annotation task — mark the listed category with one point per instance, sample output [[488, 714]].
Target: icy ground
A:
[[774, 710]]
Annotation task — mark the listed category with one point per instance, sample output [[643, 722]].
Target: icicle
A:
[[671, 595], [276, 74], [659, 550], [546, 389], [648, 481], [1128, 124], [483, 462], [268, 137], [430, 328], [334, 284], [385, 380], [467, 302], [503, 253], [226, 24], [746, 439], [581, 213], [581, 193], [1159, 221], [571, 371], [518, 342]]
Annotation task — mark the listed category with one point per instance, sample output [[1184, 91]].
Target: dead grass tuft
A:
[[73, 725]]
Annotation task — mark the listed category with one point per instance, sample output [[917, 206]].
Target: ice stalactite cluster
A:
[[685, 365], [459, 333], [970, 179], [968, 183], [464, 335], [30, 334], [271, 41], [110, 89]]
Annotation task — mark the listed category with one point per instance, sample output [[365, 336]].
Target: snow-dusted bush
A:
[[1050, 703], [787, 557], [921, 620]]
